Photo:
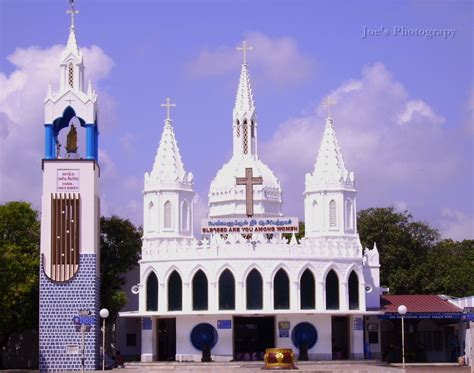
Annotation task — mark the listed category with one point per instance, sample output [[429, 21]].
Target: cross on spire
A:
[[249, 181], [168, 105], [244, 49], [328, 102], [72, 12]]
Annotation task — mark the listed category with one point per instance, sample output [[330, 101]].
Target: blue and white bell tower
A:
[[70, 218]]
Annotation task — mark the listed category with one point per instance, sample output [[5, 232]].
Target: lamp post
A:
[[104, 313], [402, 310]]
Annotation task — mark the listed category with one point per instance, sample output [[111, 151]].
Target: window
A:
[[131, 340], [152, 292], [332, 214], [349, 215], [281, 291], [185, 215], [252, 129], [71, 75], [175, 292], [254, 285], [152, 218], [226, 291], [307, 291], [238, 129], [246, 138], [353, 291], [314, 216], [332, 291], [200, 301], [167, 218]]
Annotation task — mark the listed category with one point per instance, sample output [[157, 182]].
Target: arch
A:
[[152, 292], [167, 216], [307, 290], [245, 135], [185, 216], [175, 292], [226, 290], [332, 214], [349, 215], [238, 128], [70, 75], [200, 291], [353, 289], [281, 290], [332, 290], [254, 290], [152, 215]]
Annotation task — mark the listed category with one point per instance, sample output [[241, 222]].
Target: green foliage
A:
[[403, 245], [298, 235], [19, 268], [120, 246]]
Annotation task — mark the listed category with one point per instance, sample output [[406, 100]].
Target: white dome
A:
[[227, 199]]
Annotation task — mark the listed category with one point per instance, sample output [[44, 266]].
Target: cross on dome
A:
[[328, 102], [244, 48], [249, 181], [168, 105], [72, 12]]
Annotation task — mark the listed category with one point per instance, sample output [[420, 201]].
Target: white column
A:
[[320, 296], [267, 295], [240, 296], [343, 296], [294, 295], [362, 304], [149, 342], [187, 301], [213, 297], [162, 298]]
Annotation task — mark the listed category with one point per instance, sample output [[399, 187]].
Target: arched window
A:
[[226, 291], [281, 291], [252, 129], [152, 215], [353, 291], [332, 291], [314, 216], [349, 215], [307, 291], [152, 292], [200, 301], [168, 222], [185, 215], [175, 292], [246, 137], [70, 75], [332, 214], [238, 128], [254, 285]]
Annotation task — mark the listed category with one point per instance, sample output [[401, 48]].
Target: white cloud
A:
[[276, 60], [392, 162], [457, 225], [22, 95]]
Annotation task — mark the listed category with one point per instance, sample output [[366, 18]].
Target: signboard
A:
[[250, 225], [422, 315], [358, 323], [83, 320], [72, 350], [284, 329], [67, 180], [224, 324]]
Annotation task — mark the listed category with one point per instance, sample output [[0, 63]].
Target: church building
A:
[[244, 287]]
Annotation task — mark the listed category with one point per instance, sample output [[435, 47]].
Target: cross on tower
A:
[[72, 12], [244, 49], [328, 102], [168, 105], [249, 181]]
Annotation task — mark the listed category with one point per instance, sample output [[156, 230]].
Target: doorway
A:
[[340, 337], [166, 339], [252, 335]]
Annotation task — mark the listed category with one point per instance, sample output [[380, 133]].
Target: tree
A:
[[120, 245], [403, 245], [19, 270], [299, 235]]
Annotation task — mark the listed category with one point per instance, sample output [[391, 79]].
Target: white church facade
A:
[[237, 294]]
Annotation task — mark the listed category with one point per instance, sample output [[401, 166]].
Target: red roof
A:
[[417, 303]]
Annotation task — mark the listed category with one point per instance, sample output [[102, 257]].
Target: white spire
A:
[[330, 165], [244, 102], [71, 41]]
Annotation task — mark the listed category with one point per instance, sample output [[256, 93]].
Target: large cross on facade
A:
[[244, 49], [249, 181], [168, 105], [72, 12]]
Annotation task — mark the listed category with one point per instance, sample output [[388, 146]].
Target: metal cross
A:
[[328, 102], [167, 106], [249, 181], [244, 48], [72, 11]]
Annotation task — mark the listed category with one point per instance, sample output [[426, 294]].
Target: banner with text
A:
[[250, 225]]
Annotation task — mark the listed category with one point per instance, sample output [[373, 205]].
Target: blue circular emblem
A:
[[304, 333], [203, 334]]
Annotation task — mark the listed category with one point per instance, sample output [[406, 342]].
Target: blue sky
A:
[[404, 103]]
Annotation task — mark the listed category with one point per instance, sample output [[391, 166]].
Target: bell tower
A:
[[70, 218]]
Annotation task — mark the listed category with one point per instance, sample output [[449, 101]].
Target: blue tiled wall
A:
[[59, 303]]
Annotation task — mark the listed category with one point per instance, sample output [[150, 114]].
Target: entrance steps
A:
[[356, 366]]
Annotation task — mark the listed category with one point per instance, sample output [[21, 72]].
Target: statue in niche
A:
[[71, 141]]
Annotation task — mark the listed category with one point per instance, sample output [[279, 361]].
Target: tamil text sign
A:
[[67, 181], [250, 225]]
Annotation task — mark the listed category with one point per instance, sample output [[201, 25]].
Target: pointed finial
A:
[[72, 12], [244, 49], [329, 102], [168, 105]]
